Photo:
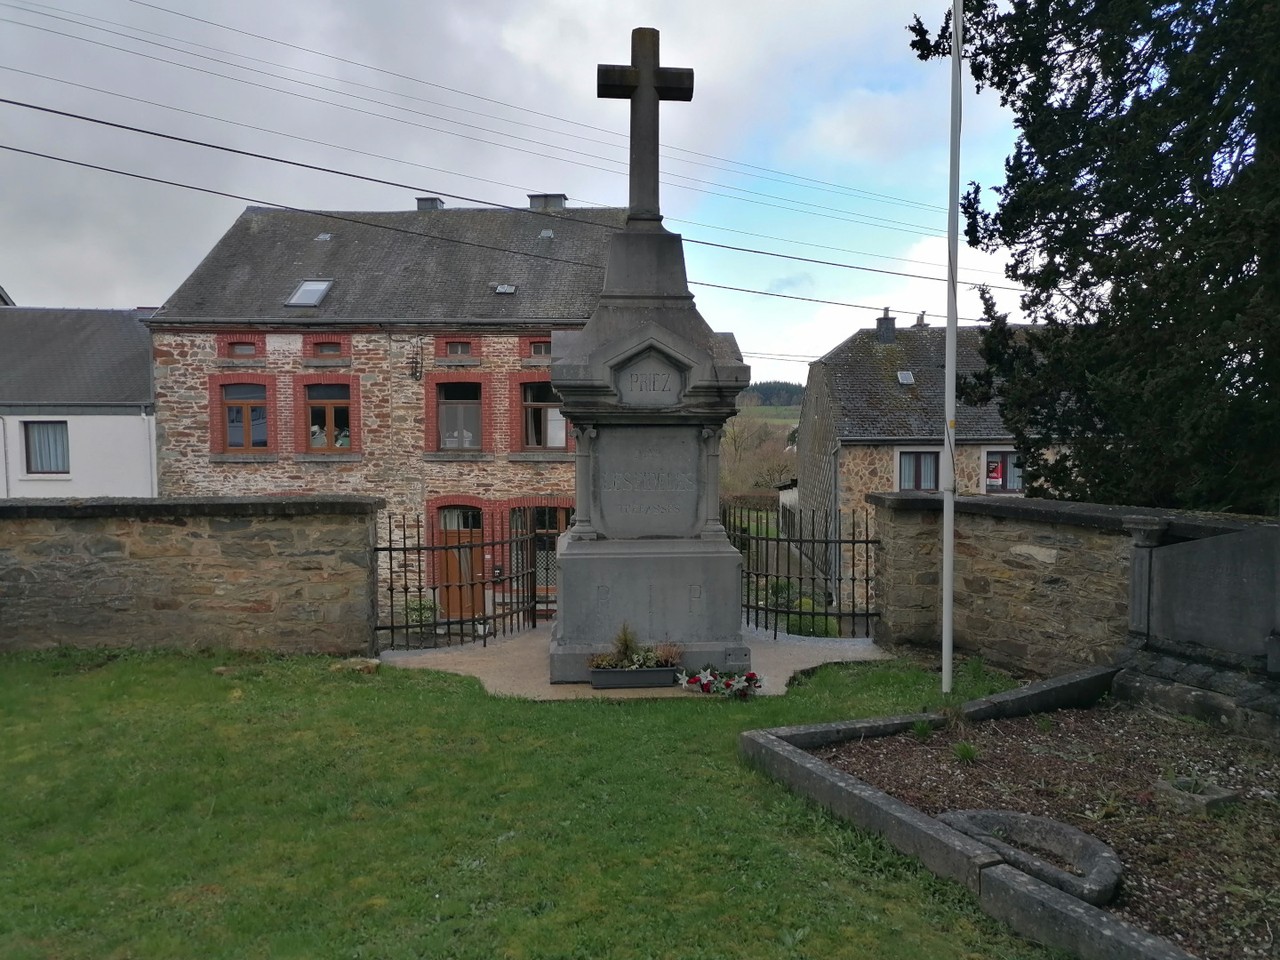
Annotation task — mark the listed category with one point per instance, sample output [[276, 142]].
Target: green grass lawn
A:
[[154, 809]]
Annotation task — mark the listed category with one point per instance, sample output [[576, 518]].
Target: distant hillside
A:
[[772, 393]]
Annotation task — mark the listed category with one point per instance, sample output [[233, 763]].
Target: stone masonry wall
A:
[[288, 576], [394, 451], [1040, 587]]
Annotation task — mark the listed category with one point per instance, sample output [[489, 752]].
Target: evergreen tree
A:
[[1141, 209]]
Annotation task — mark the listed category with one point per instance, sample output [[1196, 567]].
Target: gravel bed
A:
[[1210, 883]]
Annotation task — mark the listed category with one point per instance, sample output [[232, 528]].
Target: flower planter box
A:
[[644, 677]]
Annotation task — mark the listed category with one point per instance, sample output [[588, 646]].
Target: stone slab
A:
[[1047, 915], [1082, 688], [945, 851], [1016, 836]]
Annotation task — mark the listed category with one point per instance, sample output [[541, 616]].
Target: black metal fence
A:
[[807, 573], [463, 576]]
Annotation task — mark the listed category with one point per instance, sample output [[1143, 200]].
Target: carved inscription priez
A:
[[649, 381]]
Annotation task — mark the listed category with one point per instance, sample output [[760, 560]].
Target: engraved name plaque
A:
[[647, 481]]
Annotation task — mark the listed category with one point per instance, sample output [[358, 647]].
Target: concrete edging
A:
[[1034, 909]]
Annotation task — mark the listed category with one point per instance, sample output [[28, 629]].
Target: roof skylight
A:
[[309, 293], [505, 288], [906, 378]]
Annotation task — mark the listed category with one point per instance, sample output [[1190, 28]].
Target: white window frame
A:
[[897, 466]]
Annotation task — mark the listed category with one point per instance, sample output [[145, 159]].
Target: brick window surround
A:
[[302, 421], [431, 409], [226, 352], [311, 341], [526, 346], [515, 406], [444, 339], [217, 412]]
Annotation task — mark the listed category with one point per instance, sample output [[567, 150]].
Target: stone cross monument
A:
[[648, 387]]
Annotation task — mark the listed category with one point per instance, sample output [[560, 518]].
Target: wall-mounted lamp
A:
[[415, 359]]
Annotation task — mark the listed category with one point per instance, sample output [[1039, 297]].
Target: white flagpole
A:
[[949, 428]]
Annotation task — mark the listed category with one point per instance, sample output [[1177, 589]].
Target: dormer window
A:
[[309, 293]]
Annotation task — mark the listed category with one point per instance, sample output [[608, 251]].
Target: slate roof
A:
[[870, 405], [403, 265], [65, 356]]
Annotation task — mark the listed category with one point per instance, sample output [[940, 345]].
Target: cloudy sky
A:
[[813, 134]]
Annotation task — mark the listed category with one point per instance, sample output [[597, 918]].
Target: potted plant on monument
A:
[[630, 665]]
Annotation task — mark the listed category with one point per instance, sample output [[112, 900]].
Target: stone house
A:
[[871, 422], [76, 411], [403, 355]]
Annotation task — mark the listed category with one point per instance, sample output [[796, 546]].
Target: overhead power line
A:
[[355, 220], [796, 206], [521, 109], [760, 173], [405, 186], [467, 176]]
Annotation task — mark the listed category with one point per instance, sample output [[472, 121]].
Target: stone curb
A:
[[1034, 909]]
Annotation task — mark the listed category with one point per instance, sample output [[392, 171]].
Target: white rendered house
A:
[[76, 404]]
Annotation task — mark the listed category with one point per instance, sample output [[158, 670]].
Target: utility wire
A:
[[783, 178], [499, 183], [511, 106], [405, 186], [381, 226], [883, 223]]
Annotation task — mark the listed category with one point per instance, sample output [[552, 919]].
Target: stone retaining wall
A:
[[1041, 586], [289, 575]]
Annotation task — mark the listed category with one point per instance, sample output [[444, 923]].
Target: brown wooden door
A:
[[462, 573]]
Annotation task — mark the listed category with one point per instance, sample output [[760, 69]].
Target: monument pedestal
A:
[[664, 590], [648, 387]]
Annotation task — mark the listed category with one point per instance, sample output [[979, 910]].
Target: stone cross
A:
[[644, 83]]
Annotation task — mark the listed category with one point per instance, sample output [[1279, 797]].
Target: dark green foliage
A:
[[776, 393], [1141, 209]]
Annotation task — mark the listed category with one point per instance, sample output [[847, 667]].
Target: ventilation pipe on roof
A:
[[547, 201], [885, 327], [430, 203]]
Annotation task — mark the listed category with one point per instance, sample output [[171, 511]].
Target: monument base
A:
[[664, 590]]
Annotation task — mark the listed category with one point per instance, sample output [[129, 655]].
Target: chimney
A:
[[547, 201], [430, 203], [885, 328], [920, 321]]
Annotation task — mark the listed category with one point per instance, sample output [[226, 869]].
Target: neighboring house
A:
[[76, 412], [403, 355], [872, 417], [5, 299]]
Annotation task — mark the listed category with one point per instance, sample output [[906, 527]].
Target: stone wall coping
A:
[[151, 507], [1182, 524]]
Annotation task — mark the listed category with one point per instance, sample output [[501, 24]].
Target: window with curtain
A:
[[1004, 473], [459, 412], [543, 423], [918, 470], [48, 447]]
